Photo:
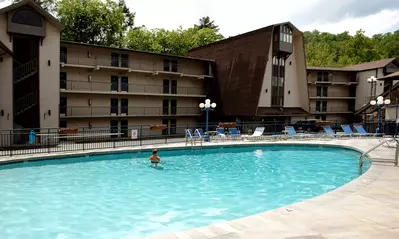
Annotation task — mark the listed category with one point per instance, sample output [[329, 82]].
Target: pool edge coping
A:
[[208, 231]]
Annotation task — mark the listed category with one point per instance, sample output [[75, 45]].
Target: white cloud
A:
[[238, 16]]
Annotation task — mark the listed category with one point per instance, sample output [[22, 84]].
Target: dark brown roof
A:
[[371, 65], [390, 76], [4, 49], [254, 32], [322, 68], [137, 51], [33, 5]]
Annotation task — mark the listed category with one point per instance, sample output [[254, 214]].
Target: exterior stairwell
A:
[[25, 103], [25, 70]]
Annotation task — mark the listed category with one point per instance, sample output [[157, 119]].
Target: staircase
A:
[[25, 70], [25, 103]]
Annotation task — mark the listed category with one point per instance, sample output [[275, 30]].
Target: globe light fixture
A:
[[379, 102], [207, 106]]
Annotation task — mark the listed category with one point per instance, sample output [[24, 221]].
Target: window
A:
[[321, 106], [285, 34], [124, 83], [115, 59], [63, 105], [166, 87], [174, 65], [173, 126], [124, 60], [321, 91], [114, 83], [173, 107], [165, 131], [63, 54], [278, 81], [27, 17], [63, 80], [166, 65], [124, 106], [114, 106], [323, 117], [173, 87], [323, 76], [114, 128]]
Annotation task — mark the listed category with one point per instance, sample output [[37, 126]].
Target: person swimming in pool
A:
[[154, 158]]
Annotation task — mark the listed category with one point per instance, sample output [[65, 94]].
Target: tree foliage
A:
[[205, 22], [48, 5], [95, 21], [175, 42], [338, 50]]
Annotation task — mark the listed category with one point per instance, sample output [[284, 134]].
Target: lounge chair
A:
[[220, 134], [330, 132], [193, 138], [234, 133], [257, 133], [363, 132], [292, 133], [348, 131]]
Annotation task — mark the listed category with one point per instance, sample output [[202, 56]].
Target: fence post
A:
[[141, 135], [48, 144], [83, 143], [10, 142]]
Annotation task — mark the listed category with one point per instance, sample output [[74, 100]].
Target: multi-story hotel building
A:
[[344, 94], [260, 75], [48, 83]]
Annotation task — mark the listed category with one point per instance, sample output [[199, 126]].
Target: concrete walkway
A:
[[365, 208]]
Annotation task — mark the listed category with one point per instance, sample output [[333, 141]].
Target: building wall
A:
[[337, 76], [6, 82], [83, 79], [296, 88], [332, 105], [265, 98], [363, 88], [240, 71], [332, 90], [49, 76], [79, 55]]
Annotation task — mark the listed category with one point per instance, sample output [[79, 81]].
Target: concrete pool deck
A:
[[366, 208]]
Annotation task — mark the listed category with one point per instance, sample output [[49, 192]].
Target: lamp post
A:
[[380, 102], [373, 81], [207, 106]]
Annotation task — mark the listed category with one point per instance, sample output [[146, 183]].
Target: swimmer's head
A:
[[154, 151]]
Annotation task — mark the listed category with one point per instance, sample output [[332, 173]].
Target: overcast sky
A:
[[239, 16]]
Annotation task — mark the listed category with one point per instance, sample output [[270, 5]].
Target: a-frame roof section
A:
[[39, 9]]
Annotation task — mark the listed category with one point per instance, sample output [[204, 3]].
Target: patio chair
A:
[[348, 131], [257, 133], [234, 133], [361, 131], [292, 133], [220, 134], [330, 132]]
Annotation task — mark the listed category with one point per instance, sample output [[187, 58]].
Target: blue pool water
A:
[[120, 195]]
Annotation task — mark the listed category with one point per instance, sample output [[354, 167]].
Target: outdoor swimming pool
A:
[[119, 195]]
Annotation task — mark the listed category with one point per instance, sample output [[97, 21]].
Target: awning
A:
[[4, 49]]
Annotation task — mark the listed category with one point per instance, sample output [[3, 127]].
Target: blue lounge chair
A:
[[348, 131], [220, 132], [363, 132], [292, 133], [234, 133], [199, 133], [330, 132]]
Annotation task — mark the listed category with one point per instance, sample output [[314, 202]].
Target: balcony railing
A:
[[343, 94], [125, 64], [333, 80], [106, 111], [129, 88], [330, 109]]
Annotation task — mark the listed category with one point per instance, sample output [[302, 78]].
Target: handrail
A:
[[378, 145]]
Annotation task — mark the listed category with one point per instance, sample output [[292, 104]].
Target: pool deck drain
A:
[[366, 208]]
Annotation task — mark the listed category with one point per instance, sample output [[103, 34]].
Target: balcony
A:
[[93, 87], [333, 81], [104, 62], [344, 94], [107, 111], [331, 110]]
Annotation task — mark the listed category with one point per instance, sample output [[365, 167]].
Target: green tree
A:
[[175, 42], [95, 21], [205, 22], [48, 5]]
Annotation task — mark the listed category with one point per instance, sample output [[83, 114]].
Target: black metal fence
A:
[[21, 142]]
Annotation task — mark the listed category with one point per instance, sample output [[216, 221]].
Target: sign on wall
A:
[[134, 134]]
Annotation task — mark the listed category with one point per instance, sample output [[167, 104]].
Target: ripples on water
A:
[[121, 195]]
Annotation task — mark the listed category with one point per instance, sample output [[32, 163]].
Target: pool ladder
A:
[[194, 139], [380, 160]]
